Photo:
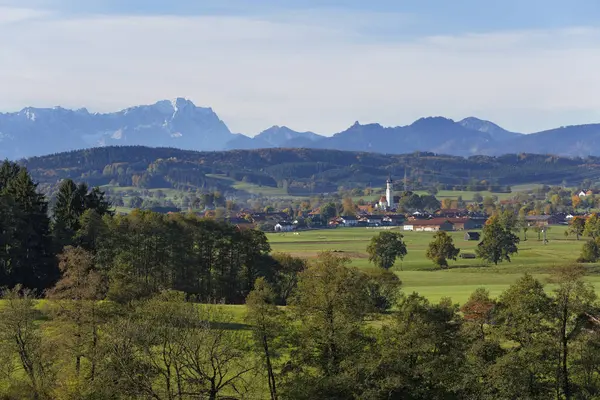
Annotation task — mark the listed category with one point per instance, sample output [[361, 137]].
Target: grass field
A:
[[461, 278], [257, 190]]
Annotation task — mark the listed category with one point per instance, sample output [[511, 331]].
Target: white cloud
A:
[[309, 73], [11, 15]]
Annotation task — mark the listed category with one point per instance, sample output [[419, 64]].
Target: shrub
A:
[[590, 251]]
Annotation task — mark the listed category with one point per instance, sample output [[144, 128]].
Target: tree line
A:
[[139, 254], [498, 244], [304, 169]]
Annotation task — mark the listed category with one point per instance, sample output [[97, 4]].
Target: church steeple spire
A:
[[389, 192]]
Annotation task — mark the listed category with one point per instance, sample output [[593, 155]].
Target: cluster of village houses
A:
[[441, 220]]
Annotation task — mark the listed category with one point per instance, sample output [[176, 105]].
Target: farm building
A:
[[464, 224], [451, 212], [472, 235], [241, 223], [544, 220], [393, 219], [429, 225]]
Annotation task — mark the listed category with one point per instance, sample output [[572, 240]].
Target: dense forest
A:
[[302, 171], [143, 252]]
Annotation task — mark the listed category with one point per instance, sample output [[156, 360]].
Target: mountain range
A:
[[181, 124]]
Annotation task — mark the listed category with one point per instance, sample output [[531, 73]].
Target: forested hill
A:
[[299, 170]]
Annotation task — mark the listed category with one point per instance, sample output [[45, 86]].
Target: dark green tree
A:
[[383, 287], [523, 317], [69, 206], [498, 242], [328, 211], [72, 201], [331, 303], [573, 302], [590, 252], [285, 275], [441, 249], [28, 259], [92, 227], [421, 353], [385, 248]]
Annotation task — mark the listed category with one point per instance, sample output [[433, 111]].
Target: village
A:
[[388, 212]]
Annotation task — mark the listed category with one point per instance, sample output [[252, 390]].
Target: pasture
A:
[[463, 276]]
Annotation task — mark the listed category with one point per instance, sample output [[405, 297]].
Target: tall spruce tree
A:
[[28, 258], [72, 201]]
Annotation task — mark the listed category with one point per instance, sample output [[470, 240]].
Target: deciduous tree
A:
[[498, 243], [78, 315], [285, 275], [331, 303], [573, 303], [577, 226], [523, 318], [442, 249], [592, 226], [385, 248], [22, 338], [267, 326]]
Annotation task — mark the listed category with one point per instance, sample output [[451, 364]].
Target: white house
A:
[[284, 227]]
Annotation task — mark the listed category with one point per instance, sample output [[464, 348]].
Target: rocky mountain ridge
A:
[[181, 124]]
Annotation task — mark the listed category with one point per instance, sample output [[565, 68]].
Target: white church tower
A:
[[389, 192]]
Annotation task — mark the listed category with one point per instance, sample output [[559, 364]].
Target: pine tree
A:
[[72, 201], [69, 206], [29, 258]]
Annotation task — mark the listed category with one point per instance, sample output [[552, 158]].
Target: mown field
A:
[[461, 278]]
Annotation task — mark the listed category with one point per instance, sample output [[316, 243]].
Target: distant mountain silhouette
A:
[[181, 124], [176, 123], [275, 136], [497, 133]]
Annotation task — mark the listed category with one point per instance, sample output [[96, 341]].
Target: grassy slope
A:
[[251, 188], [419, 274]]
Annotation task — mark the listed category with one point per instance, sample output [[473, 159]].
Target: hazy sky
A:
[[527, 65]]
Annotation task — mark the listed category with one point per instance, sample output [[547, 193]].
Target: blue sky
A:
[[318, 65]]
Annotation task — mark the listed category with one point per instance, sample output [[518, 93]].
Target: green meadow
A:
[[463, 276]]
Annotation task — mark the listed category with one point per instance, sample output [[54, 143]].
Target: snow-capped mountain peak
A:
[[166, 123]]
